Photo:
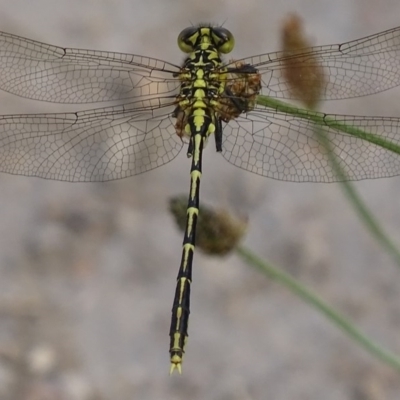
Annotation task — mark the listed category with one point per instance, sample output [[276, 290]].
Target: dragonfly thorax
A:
[[203, 80]]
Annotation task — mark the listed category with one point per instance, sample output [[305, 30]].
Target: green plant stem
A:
[[334, 316], [366, 216], [321, 121], [327, 121]]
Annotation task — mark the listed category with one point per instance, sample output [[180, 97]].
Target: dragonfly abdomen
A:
[[201, 124]]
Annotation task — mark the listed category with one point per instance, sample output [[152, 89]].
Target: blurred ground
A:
[[88, 270]]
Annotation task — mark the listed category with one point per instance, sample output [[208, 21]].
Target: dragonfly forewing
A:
[[62, 75], [357, 68]]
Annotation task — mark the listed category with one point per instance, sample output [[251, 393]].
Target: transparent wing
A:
[[44, 72], [286, 147], [357, 68], [94, 145]]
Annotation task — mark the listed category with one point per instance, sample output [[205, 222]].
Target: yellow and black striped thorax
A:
[[203, 79]]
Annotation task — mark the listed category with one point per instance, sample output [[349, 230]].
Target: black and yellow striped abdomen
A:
[[203, 81]]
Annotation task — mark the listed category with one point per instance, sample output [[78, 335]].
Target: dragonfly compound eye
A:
[[223, 39], [187, 39]]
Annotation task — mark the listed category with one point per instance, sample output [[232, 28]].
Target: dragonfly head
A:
[[190, 38]]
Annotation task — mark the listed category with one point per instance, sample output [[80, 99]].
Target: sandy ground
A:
[[87, 271]]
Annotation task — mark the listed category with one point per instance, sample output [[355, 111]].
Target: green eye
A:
[[187, 39], [224, 40]]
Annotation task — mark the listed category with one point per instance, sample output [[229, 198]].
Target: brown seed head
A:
[[302, 70]]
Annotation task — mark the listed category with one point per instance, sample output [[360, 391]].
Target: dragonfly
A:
[[160, 107]]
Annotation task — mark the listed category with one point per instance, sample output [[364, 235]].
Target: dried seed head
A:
[[217, 232], [302, 70]]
